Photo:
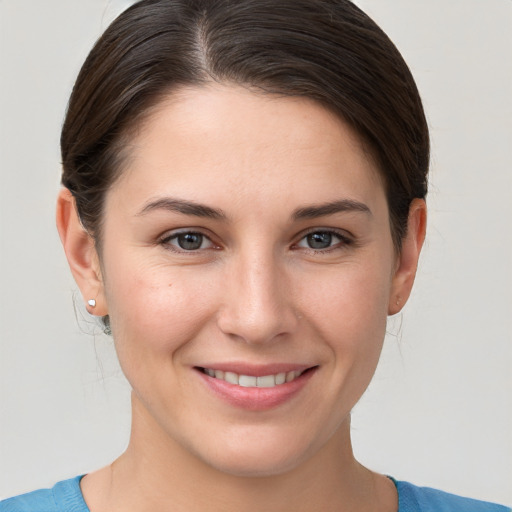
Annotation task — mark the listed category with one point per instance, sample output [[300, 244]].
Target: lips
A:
[[255, 388], [252, 381]]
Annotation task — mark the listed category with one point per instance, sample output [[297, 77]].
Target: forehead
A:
[[214, 139]]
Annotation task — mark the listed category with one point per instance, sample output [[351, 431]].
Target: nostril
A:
[[268, 324]]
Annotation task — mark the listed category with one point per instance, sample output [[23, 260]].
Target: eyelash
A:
[[344, 241], [167, 239]]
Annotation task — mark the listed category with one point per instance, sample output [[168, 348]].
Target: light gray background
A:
[[439, 410]]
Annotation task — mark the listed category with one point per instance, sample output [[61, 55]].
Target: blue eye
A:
[[319, 240], [188, 241]]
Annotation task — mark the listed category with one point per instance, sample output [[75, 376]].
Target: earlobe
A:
[[81, 254], [407, 263]]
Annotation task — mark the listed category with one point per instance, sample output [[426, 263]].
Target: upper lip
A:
[[256, 370]]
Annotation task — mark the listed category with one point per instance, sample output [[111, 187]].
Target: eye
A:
[[188, 241], [321, 240]]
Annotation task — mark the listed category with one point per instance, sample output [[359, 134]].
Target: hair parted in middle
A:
[[325, 50]]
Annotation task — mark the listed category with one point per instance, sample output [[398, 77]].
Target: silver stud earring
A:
[[92, 303]]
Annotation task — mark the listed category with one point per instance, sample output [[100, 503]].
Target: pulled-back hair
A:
[[326, 50]]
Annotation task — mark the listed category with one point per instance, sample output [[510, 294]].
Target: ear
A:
[[81, 253], [407, 261]]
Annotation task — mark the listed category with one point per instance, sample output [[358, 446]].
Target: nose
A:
[[257, 304]]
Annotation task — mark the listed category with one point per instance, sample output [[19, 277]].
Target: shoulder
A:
[[65, 496], [424, 499]]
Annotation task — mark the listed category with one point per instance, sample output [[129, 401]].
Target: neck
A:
[[158, 474]]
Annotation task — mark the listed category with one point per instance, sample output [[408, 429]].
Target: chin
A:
[[244, 466], [257, 455]]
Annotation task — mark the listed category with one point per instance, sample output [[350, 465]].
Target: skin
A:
[[255, 292]]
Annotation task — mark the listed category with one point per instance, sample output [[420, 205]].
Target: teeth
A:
[[268, 381], [231, 377], [280, 378], [249, 381], [290, 376]]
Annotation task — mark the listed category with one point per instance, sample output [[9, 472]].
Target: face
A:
[[248, 268]]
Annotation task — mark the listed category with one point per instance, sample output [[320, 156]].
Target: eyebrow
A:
[[343, 205], [200, 210], [184, 207]]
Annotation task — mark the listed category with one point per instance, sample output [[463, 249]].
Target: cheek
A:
[[351, 303], [358, 309], [350, 314], [156, 309]]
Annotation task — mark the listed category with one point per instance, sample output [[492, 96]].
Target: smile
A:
[[256, 388], [251, 381]]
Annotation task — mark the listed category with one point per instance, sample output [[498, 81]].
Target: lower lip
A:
[[256, 399]]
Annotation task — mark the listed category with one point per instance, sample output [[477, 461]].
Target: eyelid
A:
[[345, 239], [166, 238]]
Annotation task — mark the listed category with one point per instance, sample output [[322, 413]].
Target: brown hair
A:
[[326, 50]]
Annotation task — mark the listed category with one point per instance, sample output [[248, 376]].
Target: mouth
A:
[[256, 388], [253, 381]]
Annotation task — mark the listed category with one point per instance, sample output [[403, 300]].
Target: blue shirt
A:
[[66, 496]]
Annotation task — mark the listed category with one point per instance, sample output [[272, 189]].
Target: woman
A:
[[243, 208]]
